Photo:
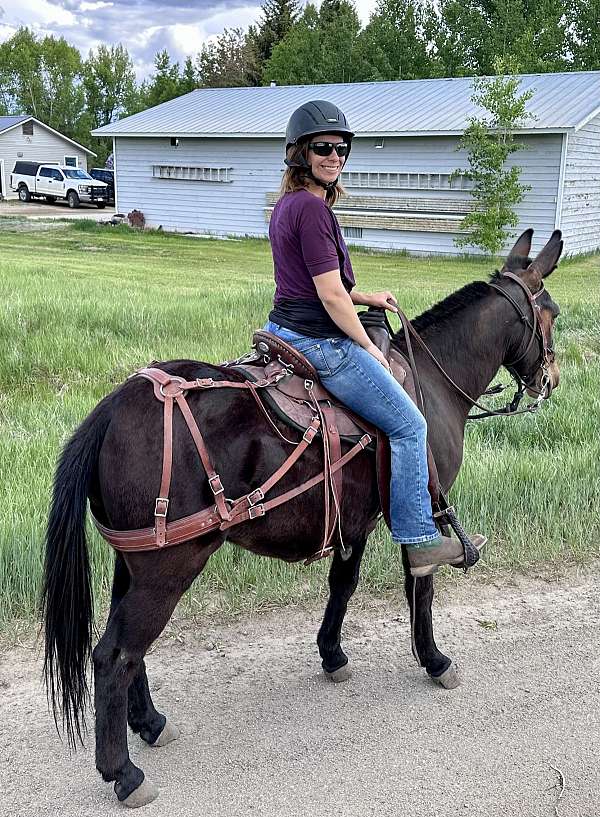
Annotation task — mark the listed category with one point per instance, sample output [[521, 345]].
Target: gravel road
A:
[[264, 734]]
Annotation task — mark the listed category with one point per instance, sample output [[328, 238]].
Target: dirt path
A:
[[264, 734]]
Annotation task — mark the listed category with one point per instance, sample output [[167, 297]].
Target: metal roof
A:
[[7, 122], [404, 108]]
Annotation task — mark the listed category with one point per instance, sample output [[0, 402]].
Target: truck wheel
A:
[[73, 199], [101, 205], [24, 194], [50, 199]]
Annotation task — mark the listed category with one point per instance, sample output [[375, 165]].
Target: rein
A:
[[546, 357]]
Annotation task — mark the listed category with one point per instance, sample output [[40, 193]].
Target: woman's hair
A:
[[296, 178]]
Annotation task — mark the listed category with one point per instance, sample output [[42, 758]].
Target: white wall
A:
[[580, 221], [237, 208]]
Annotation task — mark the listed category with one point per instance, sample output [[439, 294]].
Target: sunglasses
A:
[[325, 148]]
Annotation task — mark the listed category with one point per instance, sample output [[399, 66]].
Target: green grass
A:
[[84, 305]]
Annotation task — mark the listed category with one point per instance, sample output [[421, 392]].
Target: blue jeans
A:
[[360, 382]]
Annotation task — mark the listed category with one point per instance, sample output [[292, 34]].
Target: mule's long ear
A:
[[547, 259], [522, 244]]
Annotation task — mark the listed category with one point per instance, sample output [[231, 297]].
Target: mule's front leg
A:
[[343, 579], [419, 593]]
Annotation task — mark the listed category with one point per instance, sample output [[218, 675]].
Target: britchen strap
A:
[[170, 389]]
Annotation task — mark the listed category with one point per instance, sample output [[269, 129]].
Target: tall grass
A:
[[84, 305]]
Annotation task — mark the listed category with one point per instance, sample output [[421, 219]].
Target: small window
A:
[[47, 173], [27, 128], [72, 161], [57, 175], [174, 142]]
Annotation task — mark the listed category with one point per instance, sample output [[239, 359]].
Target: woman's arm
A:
[[340, 308], [384, 300]]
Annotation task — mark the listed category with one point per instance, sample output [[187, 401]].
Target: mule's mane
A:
[[449, 308]]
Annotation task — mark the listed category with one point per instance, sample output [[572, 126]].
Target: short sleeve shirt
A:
[[306, 241]]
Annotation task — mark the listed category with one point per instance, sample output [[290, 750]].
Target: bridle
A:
[[543, 362], [545, 359]]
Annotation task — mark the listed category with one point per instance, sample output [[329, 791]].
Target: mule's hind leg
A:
[[142, 716], [343, 579], [160, 580], [419, 593]]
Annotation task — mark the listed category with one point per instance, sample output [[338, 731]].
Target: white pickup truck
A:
[[35, 180]]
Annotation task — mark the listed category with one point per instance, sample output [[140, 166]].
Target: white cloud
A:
[[37, 13], [100, 4]]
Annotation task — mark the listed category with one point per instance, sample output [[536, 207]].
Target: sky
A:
[[142, 26]]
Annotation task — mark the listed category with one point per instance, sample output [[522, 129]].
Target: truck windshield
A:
[[75, 173]]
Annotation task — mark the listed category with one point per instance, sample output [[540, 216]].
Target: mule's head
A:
[[533, 360]]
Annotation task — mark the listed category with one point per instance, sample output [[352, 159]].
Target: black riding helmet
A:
[[316, 117], [311, 119]]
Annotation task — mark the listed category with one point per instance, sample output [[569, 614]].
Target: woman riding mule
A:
[[314, 312], [115, 458]]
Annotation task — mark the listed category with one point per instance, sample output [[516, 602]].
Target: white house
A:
[[211, 161], [25, 137]]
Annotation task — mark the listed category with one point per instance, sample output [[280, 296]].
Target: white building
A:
[[211, 161], [25, 137]]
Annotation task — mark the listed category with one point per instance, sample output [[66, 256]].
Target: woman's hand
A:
[[378, 355], [383, 300]]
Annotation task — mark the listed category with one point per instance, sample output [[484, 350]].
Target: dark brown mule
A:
[[114, 459]]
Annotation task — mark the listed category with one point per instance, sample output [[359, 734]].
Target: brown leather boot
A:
[[444, 550]]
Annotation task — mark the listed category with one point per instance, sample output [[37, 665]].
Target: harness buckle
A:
[[308, 385], [309, 434], [255, 511], [255, 496], [161, 506], [365, 440], [205, 382], [219, 485], [444, 512]]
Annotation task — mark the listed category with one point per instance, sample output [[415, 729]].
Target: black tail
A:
[[67, 593]]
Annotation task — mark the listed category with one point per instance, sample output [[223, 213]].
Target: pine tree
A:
[[278, 17], [165, 83], [189, 77]]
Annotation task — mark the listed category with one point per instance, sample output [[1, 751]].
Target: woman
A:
[[314, 312]]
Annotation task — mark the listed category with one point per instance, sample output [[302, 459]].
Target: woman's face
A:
[[326, 168]]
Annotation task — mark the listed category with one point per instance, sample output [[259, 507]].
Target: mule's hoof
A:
[[170, 732], [145, 793], [449, 679], [340, 675]]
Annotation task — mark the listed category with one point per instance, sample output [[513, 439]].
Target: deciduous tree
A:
[[489, 141]]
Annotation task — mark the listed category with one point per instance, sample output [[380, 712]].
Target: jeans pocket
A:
[[330, 356]]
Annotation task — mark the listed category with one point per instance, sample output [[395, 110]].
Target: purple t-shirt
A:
[[306, 241]]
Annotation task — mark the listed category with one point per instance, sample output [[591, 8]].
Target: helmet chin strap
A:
[[328, 186]]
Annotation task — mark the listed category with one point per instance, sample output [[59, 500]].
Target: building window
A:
[[27, 128], [174, 142], [352, 232], [72, 161], [193, 173], [406, 181]]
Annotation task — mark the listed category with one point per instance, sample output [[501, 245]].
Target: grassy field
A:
[[83, 305]]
